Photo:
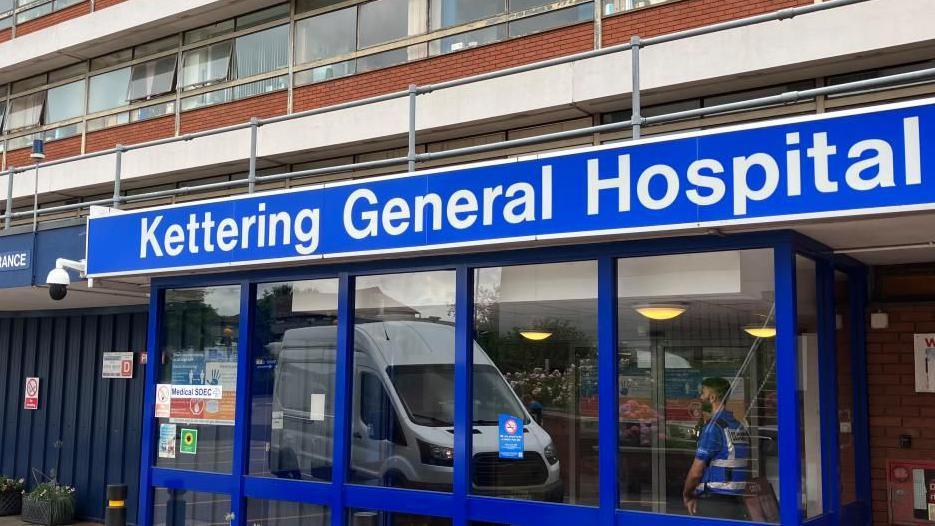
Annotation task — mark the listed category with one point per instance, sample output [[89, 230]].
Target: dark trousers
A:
[[718, 506]]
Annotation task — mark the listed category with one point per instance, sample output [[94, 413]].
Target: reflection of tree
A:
[[191, 324], [267, 311]]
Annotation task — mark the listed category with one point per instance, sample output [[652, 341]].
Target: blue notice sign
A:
[[840, 164], [188, 368], [511, 437], [16, 260]]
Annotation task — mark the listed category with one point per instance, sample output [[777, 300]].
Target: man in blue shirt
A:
[[716, 485]]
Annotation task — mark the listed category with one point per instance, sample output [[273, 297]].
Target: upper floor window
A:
[[388, 20], [108, 90], [206, 65], [325, 36], [64, 102], [6, 5], [25, 112], [152, 78], [447, 13]]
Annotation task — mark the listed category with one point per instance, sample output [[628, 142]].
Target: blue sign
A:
[[511, 437], [188, 368], [17, 260], [856, 162]]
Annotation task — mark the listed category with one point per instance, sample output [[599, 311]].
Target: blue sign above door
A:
[[848, 163]]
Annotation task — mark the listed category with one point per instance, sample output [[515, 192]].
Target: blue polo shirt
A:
[[724, 445]]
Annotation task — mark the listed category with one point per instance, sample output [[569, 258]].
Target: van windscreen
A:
[[426, 390]]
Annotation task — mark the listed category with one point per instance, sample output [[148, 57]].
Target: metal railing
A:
[[634, 124]]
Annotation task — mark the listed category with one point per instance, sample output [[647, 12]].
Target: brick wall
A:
[[101, 4], [235, 112], [53, 150], [131, 134], [6, 34], [895, 407], [502, 55], [55, 18], [677, 16]]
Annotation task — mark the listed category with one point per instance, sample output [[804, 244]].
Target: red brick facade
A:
[[235, 112], [895, 408], [131, 134], [687, 14], [6, 34], [502, 55], [55, 18], [54, 150], [101, 4]]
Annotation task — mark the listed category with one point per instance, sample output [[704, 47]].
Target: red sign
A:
[[31, 402], [911, 488]]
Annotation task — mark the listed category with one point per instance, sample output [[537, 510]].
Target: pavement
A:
[[15, 521]]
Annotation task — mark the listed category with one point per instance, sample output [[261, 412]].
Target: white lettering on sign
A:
[[757, 177], [14, 260], [204, 392]]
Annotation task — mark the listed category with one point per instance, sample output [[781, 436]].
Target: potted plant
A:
[[11, 496], [49, 503]]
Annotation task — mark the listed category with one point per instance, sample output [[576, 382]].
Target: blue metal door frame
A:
[[460, 505]]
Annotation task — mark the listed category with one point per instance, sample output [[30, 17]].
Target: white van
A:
[[403, 413]]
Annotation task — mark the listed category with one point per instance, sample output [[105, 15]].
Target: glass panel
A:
[[2, 115], [378, 518], [447, 13], [294, 352], [25, 112], [326, 36], [152, 112], [387, 20], [522, 5], [842, 339], [112, 59], [261, 52], [260, 87], [402, 424], [393, 57], [67, 72], [64, 102], [157, 46], [62, 4], [551, 20], [152, 78], [204, 33], [616, 6], [462, 41], [696, 355], [63, 132], [262, 17], [6, 22], [28, 84], [179, 507], [108, 120], [323, 73], [199, 361], [535, 376], [205, 65], [810, 401], [303, 6], [108, 90], [280, 513], [6, 5], [32, 14]]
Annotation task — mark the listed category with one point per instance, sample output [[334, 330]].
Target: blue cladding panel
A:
[[86, 432]]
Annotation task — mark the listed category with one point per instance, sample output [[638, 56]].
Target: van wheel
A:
[[395, 479]]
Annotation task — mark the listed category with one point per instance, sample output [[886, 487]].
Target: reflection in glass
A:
[[809, 399], [199, 352], [294, 352], [401, 427], [179, 507], [384, 518], [325, 36], [535, 363], [281, 513], [698, 422], [842, 338]]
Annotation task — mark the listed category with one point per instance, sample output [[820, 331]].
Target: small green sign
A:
[[189, 441]]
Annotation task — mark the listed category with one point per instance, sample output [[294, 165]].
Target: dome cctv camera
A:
[[58, 281]]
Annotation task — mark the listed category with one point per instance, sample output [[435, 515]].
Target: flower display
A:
[[49, 491], [8, 485]]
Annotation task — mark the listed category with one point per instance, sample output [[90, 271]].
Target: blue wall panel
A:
[[86, 432]]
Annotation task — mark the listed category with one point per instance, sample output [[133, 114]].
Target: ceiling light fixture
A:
[[760, 331], [535, 335], [661, 312]]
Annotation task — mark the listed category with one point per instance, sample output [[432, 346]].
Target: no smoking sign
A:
[[31, 400]]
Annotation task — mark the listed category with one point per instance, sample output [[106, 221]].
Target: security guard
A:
[[716, 485]]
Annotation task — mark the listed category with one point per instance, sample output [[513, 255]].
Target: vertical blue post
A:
[[464, 395], [828, 390], [145, 511], [608, 390], [343, 401], [787, 375], [244, 401], [857, 281]]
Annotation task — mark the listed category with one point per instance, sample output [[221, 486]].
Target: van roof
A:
[[396, 342]]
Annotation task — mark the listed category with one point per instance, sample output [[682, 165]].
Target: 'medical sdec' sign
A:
[[840, 164]]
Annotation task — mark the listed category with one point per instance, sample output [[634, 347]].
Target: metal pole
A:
[[8, 221], [251, 175], [118, 169], [35, 198], [413, 91], [635, 70]]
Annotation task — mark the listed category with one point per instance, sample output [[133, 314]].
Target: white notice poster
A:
[[925, 363]]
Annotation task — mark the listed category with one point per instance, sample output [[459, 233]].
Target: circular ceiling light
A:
[[535, 335], [661, 312]]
